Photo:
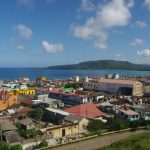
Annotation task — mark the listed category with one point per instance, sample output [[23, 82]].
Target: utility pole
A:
[[0, 134]]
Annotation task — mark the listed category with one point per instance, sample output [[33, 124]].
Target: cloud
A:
[[144, 53], [140, 24], [20, 47], [87, 5], [52, 48], [26, 3], [115, 13], [130, 3], [137, 42], [147, 3], [24, 31]]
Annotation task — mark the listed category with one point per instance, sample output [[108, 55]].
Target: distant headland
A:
[[103, 64]]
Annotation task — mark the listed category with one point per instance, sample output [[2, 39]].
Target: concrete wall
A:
[[113, 87], [101, 86], [82, 124], [69, 130]]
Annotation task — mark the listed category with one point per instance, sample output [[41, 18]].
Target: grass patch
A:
[[135, 142]]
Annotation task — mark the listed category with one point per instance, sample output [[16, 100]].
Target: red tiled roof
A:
[[24, 111], [43, 89], [128, 112], [88, 110], [63, 93], [26, 102]]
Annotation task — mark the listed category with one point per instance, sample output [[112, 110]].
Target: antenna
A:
[[86, 112]]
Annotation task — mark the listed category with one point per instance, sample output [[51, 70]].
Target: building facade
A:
[[115, 86], [68, 98], [6, 100]]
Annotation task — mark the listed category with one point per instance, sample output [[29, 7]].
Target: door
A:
[[63, 132]]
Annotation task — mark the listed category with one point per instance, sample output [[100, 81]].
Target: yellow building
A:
[[70, 126], [61, 130], [42, 78], [7, 100], [23, 92]]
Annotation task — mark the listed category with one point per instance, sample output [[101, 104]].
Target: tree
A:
[[41, 145], [27, 133], [116, 123], [73, 85], [95, 126], [5, 146], [133, 124], [36, 114], [16, 147]]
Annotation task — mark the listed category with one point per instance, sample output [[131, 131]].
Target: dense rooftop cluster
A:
[[64, 110]]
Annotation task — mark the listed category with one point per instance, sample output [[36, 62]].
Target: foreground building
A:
[[87, 110], [115, 86], [9, 132], [71, 126]]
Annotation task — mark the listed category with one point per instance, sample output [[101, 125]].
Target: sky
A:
[[40, 33]]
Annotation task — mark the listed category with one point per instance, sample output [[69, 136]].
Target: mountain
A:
[[103, 64]]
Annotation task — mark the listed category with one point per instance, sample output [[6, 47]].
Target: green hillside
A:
[[103, 64], [135, 142]]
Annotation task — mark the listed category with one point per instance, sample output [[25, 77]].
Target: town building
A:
[[27, 124], [115, 86], [68, 98], [128, 114], [87, 110], [6, 100], [29, 91], [82, 122], [55, 116], [9, 132], [143, 110], [72, 125], [60, 131]]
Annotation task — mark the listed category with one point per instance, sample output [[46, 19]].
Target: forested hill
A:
[[103, 64]]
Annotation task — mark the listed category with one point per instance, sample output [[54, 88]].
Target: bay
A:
[[33, 73]]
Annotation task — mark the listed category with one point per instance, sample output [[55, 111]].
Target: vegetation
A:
[[95, 126], [103, 64], [26, 133], [41, 145], [134, 142], [36, 114], [5, 146], [114, 124], [73, 85]]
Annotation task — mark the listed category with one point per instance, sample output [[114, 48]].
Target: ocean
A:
[[33, 73]]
